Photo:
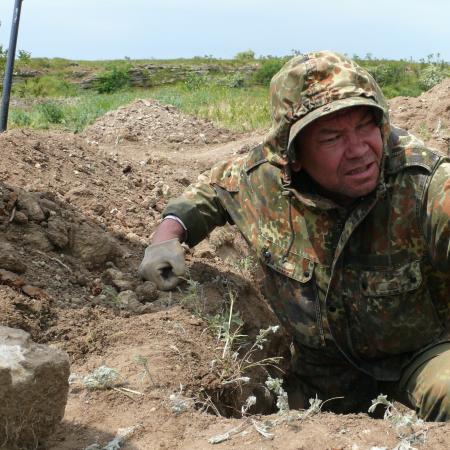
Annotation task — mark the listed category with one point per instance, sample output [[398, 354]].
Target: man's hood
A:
[[311, 86]]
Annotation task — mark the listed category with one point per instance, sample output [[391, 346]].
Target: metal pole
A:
[[10, 65]]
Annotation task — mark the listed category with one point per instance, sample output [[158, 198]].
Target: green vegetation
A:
[[113, 80], [48, 93]]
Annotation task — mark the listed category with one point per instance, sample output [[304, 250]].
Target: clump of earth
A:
[[76, 212]]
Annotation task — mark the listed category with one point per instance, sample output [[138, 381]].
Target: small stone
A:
[[128, 300], [20, 218], [9, 259], [34, 292], [147, 292], [120, 280], [30, 204], [57, 232]]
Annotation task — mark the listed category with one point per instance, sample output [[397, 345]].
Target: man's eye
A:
[[367, 124], [330, 140]]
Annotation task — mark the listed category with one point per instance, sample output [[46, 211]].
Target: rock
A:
[[128, 300], [122, 281], [36, 237], [9, 259], [20, 217], [34, 292], [11, 279], [93, 246], [33, 388], [147, 292], [80, 191], [203, 250], [30, 203], [57, 232]]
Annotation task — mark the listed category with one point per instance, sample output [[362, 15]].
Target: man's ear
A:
[[296, 166]]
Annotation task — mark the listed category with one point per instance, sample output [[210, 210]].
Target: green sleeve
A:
[[437, 218], [200, 210]]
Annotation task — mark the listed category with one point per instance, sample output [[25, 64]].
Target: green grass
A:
[[241, 109], [235, 100], [71, 114]]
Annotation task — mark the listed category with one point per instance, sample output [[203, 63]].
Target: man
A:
[[350, 219]]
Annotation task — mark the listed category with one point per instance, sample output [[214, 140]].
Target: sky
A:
[[144, 29]]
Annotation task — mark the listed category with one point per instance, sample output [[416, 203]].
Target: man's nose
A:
[[355, 146]]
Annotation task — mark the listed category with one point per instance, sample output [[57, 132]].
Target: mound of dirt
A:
[[426, 116], [150, 122]]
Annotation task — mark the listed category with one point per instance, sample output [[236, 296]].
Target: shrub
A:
[[431, 76], [23, 56], [46, 86], [269, 67], [194, 81], [113, 80], [20, 118], [386, 74], [51, 112], [248, 55]]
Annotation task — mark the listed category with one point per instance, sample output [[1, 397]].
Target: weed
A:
[[423, 131], [194, 81], [264, 428], [247, 264], [143, 361], [20, 118], [179, 403], [247, 55], [194, 298], [235, 361], [113, 80], [431, 76], [403, 423], [101, 378], [268, 68], [51, 112], [276, 386]]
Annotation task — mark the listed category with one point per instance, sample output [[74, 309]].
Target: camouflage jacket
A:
[[373, 278]]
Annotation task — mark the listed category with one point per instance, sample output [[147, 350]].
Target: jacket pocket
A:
[[291, 290], [395, 311]]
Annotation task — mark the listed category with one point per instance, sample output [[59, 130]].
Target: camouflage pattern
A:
[[425, 385], [367, 285]]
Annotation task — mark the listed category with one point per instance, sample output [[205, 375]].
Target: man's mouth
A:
[[359, 170]]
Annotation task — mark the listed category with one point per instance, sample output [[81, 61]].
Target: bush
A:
[[113, 80], [269, 67], [20, 118], [248, 55], [386, 74], [194, 81], [431, 76], [23, 56], [51, 112], [46, 86]]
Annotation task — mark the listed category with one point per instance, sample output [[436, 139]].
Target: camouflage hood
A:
[[311, 86]]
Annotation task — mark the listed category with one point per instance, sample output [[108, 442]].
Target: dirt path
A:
[[75, 216]]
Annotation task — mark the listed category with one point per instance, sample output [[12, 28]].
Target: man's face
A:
[[342, 152]]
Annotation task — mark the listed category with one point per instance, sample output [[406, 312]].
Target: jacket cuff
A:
[[196, 228]]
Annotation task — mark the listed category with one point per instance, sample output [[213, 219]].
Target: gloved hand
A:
[[163, 264]]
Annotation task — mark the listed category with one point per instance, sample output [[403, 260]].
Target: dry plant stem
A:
[[13, 214], [230, 316], [54, 259]]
